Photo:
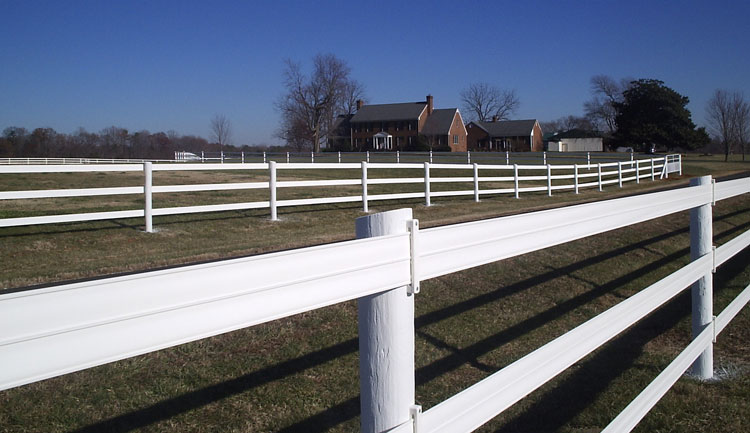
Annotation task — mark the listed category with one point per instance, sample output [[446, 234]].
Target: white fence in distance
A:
[[566, 177], [75, 326]]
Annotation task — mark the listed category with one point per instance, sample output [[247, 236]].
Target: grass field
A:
[[300, 374]]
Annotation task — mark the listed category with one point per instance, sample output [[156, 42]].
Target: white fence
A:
[[64, 161], [76, 326], [559, 177]]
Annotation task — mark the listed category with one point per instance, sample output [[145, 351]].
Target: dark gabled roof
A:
[[574, 133], [389, 112], [439, 122], [507, 128]]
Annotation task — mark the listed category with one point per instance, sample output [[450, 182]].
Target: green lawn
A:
[[299, 374]]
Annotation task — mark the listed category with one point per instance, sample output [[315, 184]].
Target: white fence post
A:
[[222, 157], [368, 156], [544, 157], [575, 177], [272, 189], [652, 169], [339, 157], [701, 239], [515, 178], [549, 180], [312, 157], [264, 158], [468, 157], [427, 184], [148, 181], [637, 171], [243, 157], [365, 207], [386, 340], [287, 157], [588, 158], [203, 159], [476, 182], [507, 158], [398, 157], [619, 173], [599, 174], [430, 157], [679, 160], [631, 155], [664, 169]]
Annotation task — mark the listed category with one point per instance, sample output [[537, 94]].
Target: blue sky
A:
[[172, 65]]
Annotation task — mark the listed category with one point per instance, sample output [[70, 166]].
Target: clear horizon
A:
[[170, 65]]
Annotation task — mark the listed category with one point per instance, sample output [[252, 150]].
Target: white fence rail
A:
[[560, 177], [76, 326]]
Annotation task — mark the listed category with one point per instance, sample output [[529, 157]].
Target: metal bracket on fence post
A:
[[272, 189], [515, 178], [365, 207], [415, 411], [147, 193], [427, 184], [549, 180], [413, 227], [476, 182]]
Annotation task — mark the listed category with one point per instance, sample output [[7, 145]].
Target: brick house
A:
[[505, 135], [403, 126]]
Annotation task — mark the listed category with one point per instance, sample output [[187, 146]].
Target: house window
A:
[[409, 123], [455, 139]]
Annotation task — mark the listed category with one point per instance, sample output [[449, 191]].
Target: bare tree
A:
[[221, 130], [310, 102], [483, 101], [600, 110], [741, 109], [721, 114]]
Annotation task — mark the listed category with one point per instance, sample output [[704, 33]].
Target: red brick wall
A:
[[457, 128]]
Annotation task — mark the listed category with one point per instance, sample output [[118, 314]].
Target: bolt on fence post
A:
[[575, 177], [476, 182], [599, 175], [619, 173], [365, 207], [386, 340], [549, 180], [147, 194], [515, 178], [272, 190], [427, 184], [701, 239]]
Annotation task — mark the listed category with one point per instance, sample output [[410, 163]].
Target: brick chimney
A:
[[360, 103], [494, 118], [429, 105]]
